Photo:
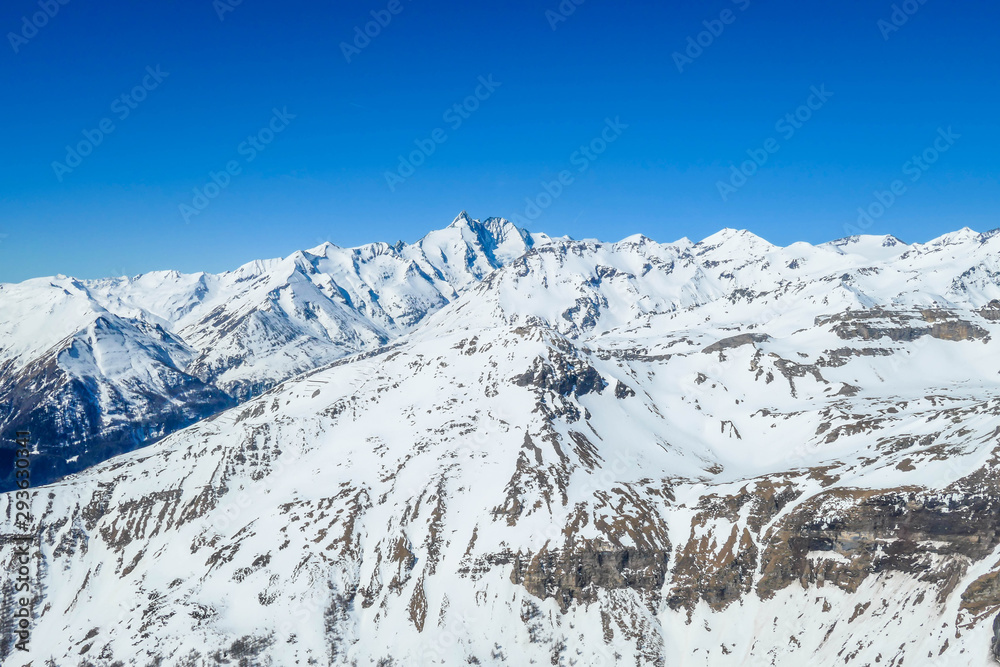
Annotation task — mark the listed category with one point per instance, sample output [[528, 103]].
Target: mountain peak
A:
[[498, 228], [322, 249], [728, 236], [963, 235], [462, 220], [636, 239], [497, 239]]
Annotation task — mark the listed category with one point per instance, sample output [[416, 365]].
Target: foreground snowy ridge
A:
[[714, 453]]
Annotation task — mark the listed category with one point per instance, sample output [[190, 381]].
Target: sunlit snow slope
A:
[[97, 368]]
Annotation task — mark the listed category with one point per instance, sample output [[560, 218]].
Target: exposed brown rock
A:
[[991, 311], [982, 597], [996, 638], [578, 574], [902, 325], [736, 341], [877, 531], [717, 574]]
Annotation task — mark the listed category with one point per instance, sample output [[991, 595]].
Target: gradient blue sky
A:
[[323, 178]]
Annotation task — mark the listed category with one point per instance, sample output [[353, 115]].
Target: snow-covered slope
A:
[[96, 368], [271, 319], [714, 453], [87, 383]]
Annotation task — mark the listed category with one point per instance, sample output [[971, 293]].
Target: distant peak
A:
[[322, 249], [497, 230], [728, 234], [990, 234], [886, 241], [462, 219], [963, 235]]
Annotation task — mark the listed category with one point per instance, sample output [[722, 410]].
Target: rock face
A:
[[904, 326], [996, 638], [577, 576], [736, 341], [991, 311], [879, 533], [618, 454], [103, 391]]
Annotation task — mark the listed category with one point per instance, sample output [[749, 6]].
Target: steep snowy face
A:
[[723, 453], [90, 384], [99, 367], [41, 313]]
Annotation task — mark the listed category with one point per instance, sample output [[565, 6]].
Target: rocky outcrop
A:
[[562, 375], [719, 567], [714, 568], [736, 341], [982, 597], [579, 574], [996, 639], [991, 311], [843, 536], [903, 326]]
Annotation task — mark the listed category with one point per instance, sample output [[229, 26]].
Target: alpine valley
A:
[[494, 447]]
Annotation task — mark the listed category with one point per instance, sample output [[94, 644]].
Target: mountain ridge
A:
[[248, 329]]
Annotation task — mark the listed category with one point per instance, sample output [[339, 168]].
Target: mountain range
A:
[[496, 447], [95, 368]]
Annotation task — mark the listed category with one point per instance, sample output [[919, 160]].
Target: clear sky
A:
[[663, 120]]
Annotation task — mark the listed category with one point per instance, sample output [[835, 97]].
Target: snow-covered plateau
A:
[[493, 447]]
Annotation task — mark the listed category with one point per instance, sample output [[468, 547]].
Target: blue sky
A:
[[201, 96]]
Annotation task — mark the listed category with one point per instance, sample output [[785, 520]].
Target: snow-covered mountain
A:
[[585, 453], [97, 368]]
